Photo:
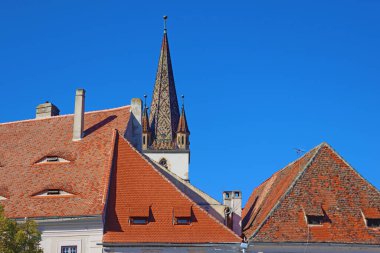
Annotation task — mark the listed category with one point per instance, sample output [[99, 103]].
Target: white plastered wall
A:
[[178, 163], [85, 233]]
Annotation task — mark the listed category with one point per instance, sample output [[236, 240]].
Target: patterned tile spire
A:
[[164, 114]]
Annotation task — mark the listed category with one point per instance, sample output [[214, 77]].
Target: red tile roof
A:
[[24, 143], [319, 183], [136, 183]]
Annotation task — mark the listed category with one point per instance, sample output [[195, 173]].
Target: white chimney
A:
[[232, 199], [78, 115]]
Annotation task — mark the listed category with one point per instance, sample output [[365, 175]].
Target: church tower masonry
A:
[[166, 134]]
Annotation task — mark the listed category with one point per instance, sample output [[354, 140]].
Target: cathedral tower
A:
[[166, 134]]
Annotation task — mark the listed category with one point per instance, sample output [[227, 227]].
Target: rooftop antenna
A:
[[165, 18], [299, 151]]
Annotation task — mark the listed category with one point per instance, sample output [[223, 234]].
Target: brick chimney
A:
[[78, 115], [46, 110]]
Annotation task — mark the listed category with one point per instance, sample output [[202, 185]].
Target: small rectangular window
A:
[[314, 219], [52, 159], [69, 249], [237, 194], [373, 223], [53, 192], [139, 220], [183, 220]]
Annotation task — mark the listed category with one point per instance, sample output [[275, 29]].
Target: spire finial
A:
[[165, 18], [145, 100], [183, 101]]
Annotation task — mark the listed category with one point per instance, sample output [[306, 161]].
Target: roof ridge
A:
[[62, 116], [289, 164], [182, 180], [310, 160], [176, 188]]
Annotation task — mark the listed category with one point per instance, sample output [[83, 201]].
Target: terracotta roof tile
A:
[[135, 182], [24, 143], [319, 181]]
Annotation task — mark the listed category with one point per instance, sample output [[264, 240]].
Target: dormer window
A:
[[314, 219], [372, 217], [53, 192], [139, 220], [373, 223], [315, 215], [139, 216], [182, 215], [183, 220]]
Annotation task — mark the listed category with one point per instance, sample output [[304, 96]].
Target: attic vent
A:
[[53, 192], [52, 159]]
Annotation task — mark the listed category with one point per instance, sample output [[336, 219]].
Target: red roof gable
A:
[[320, 183], [24, 143], [136, 183]]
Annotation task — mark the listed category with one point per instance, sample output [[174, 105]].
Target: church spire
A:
[[183, 130], [164, 111]]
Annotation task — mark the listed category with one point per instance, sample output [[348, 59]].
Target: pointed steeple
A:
[[182, 125], [145, 121], [164, 114], [183, 130], [146, 133]]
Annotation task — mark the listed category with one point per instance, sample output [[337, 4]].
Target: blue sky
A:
[[260, 77]]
